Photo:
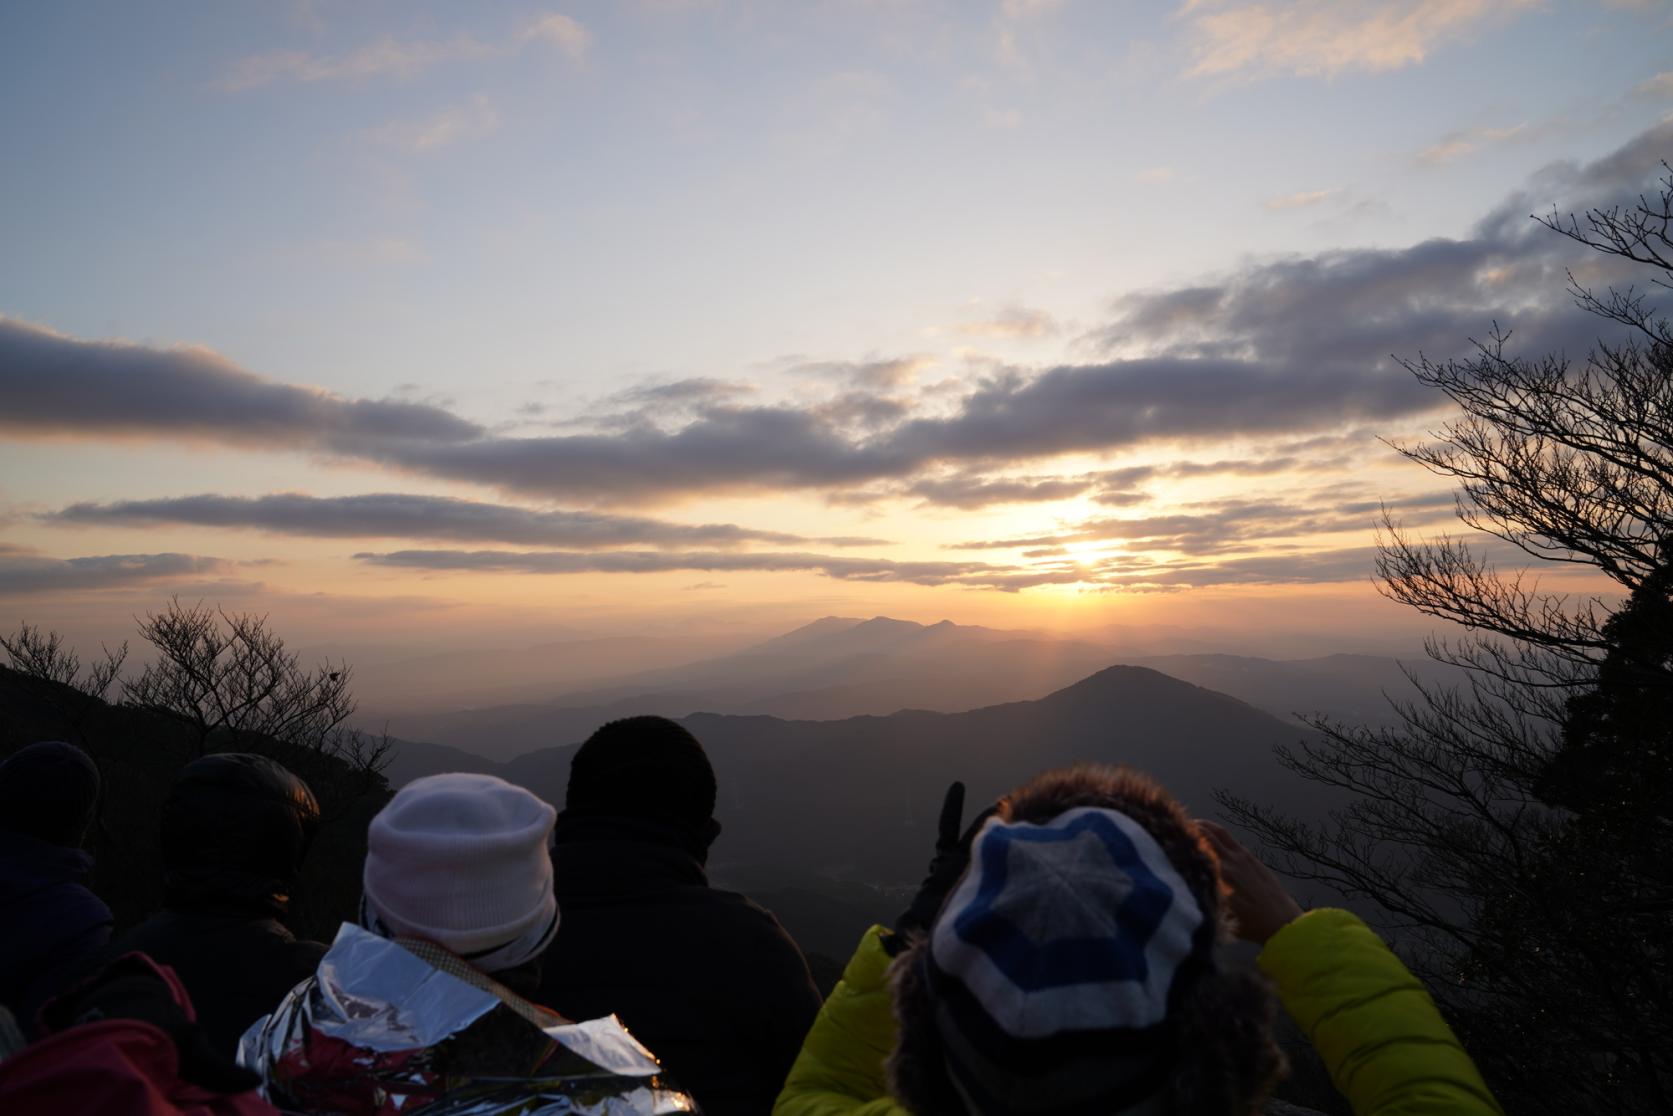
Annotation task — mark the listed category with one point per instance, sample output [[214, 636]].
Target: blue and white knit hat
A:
[[1054, 962]]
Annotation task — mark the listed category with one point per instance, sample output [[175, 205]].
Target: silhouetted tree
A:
[[44, 655], [1514, 831], [221, 674]]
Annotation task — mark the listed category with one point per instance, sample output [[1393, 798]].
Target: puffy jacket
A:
[[52, 924], [1380, 1035], [840, 1068]]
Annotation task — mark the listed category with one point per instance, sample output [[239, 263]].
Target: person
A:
[[424, 1002], [53, 925], [235, 829], [1072, 966], [125, 1040], [706, 978]]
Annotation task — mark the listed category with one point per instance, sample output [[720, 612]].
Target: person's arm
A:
[[1380, 1035], [840, 1069]]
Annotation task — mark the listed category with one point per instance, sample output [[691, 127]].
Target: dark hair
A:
[[235, 828], [643, 767], [1226, 1060]]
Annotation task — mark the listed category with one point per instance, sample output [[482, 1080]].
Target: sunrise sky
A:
[[483, 323]]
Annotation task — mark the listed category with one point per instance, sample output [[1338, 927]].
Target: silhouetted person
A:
[[235, 828], [705, 978], [50, 923]]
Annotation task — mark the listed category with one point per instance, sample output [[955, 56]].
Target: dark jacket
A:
[[707, 980], [50, 924], [235, 966]]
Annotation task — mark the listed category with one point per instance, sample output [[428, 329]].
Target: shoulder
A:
[[80, 905], [756, 921]]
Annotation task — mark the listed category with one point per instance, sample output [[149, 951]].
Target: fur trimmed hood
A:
[[1219, 1055]]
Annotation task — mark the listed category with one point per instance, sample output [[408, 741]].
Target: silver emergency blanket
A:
[[377, 1031]]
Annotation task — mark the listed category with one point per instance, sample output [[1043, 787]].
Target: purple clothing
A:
[[52, 925]]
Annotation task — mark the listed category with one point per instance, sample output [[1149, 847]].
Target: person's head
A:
[[460, 860], [1072, 968], [49, 791], [235, 829], [648, 769]]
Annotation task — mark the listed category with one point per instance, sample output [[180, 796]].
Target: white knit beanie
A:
[[461, 860]]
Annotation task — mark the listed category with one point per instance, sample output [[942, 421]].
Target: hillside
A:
[[138, 752]]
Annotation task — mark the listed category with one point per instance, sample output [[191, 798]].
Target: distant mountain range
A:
[[857, 798], [841, 667]]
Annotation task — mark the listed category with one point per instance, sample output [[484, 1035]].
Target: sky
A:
[[422, 323]]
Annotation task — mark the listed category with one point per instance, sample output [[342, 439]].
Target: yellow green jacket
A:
[[1380, 1035]]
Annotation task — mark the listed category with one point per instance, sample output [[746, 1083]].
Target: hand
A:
[[952, 856], [1260, 903]]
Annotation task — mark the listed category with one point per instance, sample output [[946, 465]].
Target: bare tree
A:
[[227, 673], [43, 655], [1504, 829]]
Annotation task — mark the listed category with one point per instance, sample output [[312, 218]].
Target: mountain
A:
[[857, 799], [389, 684], [413, 759], [832, 668], [1351, 688]]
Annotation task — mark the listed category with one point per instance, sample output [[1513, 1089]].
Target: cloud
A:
[[1659, 86], [1354, 563], [51, 384], [396, 58], [385, 58], [1454, 145], [23, 572], [1341, 314], [1282, 348], [400, 515], [969, 574], [693, 391], [875, 375], [477, 116], [1011, 323], [966, 491], [1227, 526], [561, 30], [1298, 201], [1313, 38]]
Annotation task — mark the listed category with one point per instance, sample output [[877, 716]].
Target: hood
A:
[[28, 865]]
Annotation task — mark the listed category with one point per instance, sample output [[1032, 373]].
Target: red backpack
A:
[[117, 1065]]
